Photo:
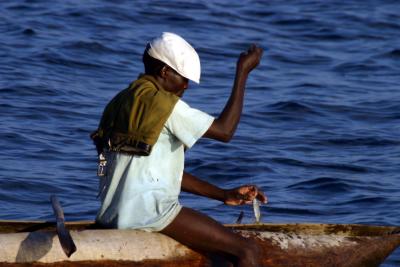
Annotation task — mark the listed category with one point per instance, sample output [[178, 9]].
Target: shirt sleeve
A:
[[188, 124]]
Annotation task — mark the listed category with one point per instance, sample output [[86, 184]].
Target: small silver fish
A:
[[256, 209]]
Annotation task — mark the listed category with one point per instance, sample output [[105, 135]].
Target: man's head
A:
[[173, 61]]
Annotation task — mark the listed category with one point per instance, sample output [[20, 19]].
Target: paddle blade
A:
[[63, 234], [66, 241]]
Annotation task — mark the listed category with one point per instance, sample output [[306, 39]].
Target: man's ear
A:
[[164, 71]]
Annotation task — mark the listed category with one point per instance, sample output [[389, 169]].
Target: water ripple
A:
[[321, 113]]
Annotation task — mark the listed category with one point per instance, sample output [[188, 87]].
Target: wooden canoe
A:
[[36, 244]]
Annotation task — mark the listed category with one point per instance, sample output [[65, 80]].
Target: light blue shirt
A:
[[141, 192]]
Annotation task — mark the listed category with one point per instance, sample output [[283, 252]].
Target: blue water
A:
[[320, 127]]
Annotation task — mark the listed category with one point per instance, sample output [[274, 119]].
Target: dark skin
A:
[[195, 229]]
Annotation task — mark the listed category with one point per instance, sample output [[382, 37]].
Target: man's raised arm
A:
[[223, 128]]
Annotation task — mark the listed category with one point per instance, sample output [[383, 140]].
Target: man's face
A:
[[175, 83]]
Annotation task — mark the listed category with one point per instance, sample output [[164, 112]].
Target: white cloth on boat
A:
[[141, 192]]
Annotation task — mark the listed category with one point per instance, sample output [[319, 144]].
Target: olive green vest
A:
[[132, 121]]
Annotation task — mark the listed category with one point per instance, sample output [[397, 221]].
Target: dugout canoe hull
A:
[[36, 244]]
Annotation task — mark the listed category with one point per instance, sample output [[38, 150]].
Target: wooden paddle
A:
[[64, 236]]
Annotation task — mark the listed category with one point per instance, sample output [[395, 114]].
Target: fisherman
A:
[[142, 136]]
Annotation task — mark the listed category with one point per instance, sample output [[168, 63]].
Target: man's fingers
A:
[[255, 48], [247, 193], [254, 192], [261, 196]]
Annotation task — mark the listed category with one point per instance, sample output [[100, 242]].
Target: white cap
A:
[[174, 51]]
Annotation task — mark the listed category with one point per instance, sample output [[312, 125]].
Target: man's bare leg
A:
[[201, 232]]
